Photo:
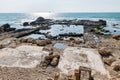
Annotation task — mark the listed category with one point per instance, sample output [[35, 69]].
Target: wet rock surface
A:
[[26, 24], [41, 20], [99, 30], [23, 32], [6, 28], [81, 22], [38, 21]]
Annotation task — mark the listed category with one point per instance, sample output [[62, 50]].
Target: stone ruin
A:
[[81, 61]]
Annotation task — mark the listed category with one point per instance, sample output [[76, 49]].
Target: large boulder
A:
[[33, 23], [26, 24], [90, 23], [40, 19], [6, 28], [103, 22], [1, 30]]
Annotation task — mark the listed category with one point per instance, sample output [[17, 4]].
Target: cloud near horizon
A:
[[59, 5]]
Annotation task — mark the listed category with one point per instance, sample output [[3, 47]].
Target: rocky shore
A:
[[41, 20], [60, 57]]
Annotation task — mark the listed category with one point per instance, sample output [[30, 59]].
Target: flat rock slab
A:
[[23, 56], [75, 57]]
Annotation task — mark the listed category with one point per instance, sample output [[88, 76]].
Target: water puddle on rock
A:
[[60, 46], [96, 38], [55, 30], [113, 27], [37, 36]]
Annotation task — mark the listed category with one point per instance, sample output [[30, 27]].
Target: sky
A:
[[59, 6]]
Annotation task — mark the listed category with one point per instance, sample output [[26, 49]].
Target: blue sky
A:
[[60, 5]]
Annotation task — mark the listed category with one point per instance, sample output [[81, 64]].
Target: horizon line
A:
[[61, 12]]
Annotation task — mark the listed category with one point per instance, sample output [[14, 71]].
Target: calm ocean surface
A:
[[16, 19]]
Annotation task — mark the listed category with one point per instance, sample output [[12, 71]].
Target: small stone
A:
[[43, 42], [50, 57], [1, 46], [115, 31], [57, 56], [13, 45], [116, 65], [72, 39], [33, 23], [47, 49], [56, 77], [77, 41], [30, 40], [104, 51], [51, 60], [51, 53], [54, 62], [23, 40], [50, 79], [109, 61], [116, 37]]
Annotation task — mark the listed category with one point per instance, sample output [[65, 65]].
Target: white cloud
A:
[[59, 5]]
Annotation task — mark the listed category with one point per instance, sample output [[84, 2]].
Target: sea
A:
[[16, 19]]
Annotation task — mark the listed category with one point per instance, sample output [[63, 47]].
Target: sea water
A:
[[16, 19]]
